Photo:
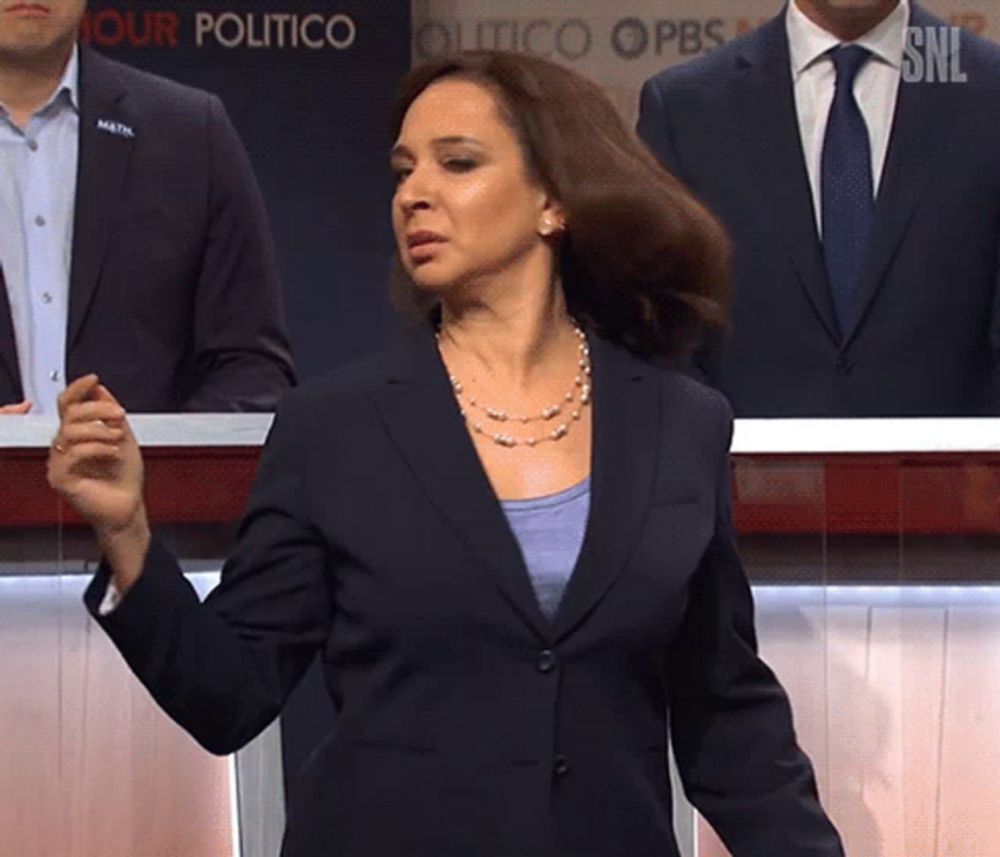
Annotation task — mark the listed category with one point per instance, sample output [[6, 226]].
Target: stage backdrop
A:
[[621, 43], [308, 85]]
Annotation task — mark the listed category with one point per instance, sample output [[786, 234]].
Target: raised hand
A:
[[95, 464]]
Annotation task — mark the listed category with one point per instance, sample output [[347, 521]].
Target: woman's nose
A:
[[415, 192]]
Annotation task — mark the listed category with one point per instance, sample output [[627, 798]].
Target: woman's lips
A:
[[28, 10], [423, 246], [424, 252]]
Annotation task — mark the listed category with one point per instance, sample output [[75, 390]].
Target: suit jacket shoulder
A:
[[980, 59], [974, 101], [693, 407], [713, 71], [688, 107], [335, 408], [359, 376], [153, 94]]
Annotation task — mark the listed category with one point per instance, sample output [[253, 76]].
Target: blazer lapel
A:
[[921, 122], [422, 417], [8, 348], [776, 163], [625, 446], [107, 132], [420, 413]]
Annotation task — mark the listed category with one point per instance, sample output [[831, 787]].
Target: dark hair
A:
[[641, 260]]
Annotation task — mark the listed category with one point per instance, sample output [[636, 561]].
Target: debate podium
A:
[[873, 547]]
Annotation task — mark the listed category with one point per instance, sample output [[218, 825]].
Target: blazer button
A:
[[844, 366], [560, 766], [546, 661]]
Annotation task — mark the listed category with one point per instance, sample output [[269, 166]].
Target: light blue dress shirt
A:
[[37, 194]]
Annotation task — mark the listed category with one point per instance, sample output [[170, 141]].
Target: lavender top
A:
[[550, 531]]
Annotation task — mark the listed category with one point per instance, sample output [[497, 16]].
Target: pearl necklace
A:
[[581, 382]]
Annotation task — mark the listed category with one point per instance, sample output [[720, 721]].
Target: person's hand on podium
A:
[[95, 464], [16, 409]]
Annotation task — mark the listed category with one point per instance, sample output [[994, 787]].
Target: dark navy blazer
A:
[[174, 296], [467, 723], [927, 337]]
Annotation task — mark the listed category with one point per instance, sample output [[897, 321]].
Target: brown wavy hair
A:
[[641, 261]]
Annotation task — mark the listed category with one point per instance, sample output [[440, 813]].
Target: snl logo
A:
[[933, 55]]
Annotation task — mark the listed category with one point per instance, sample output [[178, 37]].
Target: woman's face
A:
[[464, 209]]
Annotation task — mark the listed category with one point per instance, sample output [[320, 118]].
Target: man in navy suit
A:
[[133, 239], [858, 172]]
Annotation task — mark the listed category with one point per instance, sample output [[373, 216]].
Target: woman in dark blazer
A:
[[509, 538]]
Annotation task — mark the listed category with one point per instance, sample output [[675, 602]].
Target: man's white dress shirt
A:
[[875, 88]]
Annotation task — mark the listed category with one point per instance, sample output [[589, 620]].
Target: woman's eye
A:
[[459, 165], [401, 173]]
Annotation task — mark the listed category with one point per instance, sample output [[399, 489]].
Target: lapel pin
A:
[[119, 129]]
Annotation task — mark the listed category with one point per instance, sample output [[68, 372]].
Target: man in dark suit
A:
[[860, 180], [133, 238]]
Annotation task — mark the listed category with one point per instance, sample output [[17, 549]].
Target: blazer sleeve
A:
[[223, 668], [730, 720], [242, 358]]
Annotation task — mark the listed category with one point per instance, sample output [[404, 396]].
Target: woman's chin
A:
[[428, 280]]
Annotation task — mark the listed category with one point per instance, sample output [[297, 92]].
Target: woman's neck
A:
[[513, 348]]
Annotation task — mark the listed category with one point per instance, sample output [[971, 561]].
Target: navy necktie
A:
[[848, 196]]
